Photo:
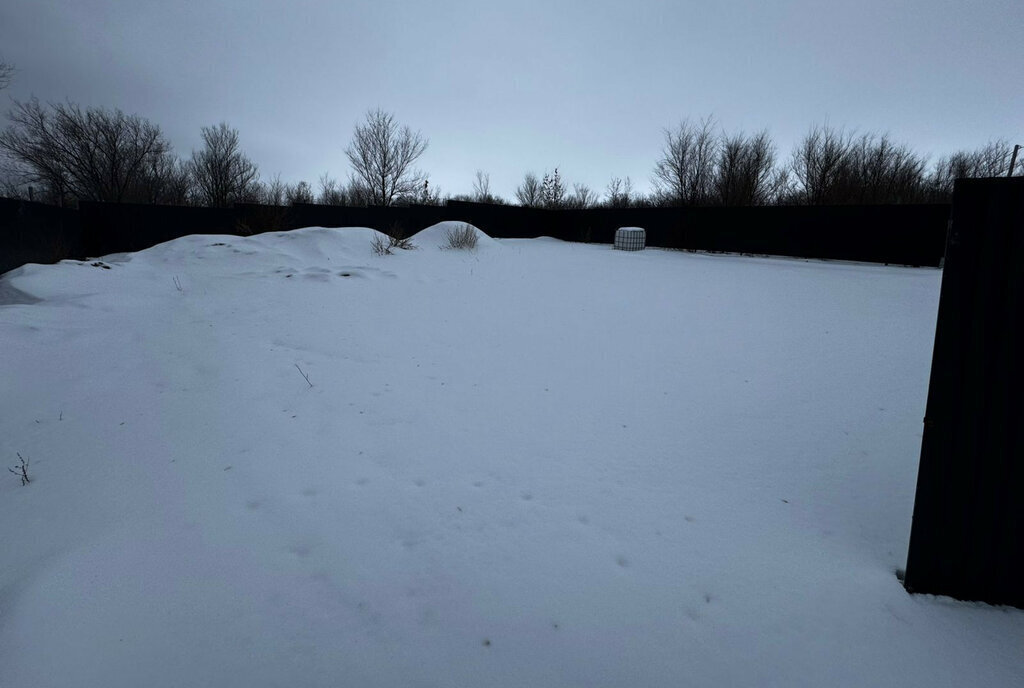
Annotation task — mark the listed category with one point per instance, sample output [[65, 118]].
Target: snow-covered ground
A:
[[533, 464]]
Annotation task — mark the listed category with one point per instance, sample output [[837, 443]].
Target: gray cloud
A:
[[586, 86]]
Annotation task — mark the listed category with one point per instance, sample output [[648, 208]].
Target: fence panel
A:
[[967, 538]]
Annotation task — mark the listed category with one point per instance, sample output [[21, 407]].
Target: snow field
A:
[[535, 463]]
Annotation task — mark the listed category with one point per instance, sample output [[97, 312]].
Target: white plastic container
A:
[[630, 238]]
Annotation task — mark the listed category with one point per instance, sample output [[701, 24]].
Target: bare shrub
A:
[[462, 238], [380, 245]]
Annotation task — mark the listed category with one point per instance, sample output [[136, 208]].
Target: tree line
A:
[[701, 165], [62, 153]]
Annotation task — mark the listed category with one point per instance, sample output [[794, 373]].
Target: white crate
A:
[[630, 238]]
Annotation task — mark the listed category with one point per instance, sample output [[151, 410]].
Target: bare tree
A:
[[529, 192], [619, 193], [93, 155], [222, 174], [582, 196], [482, 188], [299, 193], [745, 171], [11, 186], [179, 189], [552, 190], [991, 160], [164, 180], [331, 193], [685, 172], [382, 155], [819, 164], [274, 191], [883, 171], [833, 166], [428, 195], [357, 192], [6, 74]]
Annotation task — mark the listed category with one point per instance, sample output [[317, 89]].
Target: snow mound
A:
[[312, 253], [436, 236], [310, 246]]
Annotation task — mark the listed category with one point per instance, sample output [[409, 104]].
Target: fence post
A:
[[967, 537]]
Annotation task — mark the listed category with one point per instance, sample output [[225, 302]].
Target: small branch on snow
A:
[[21, 471], [177, 284], [306, 377]]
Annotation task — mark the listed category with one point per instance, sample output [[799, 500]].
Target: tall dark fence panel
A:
[[119, 227], [37, 233], [406, 220], [967, 538], [900, 234]]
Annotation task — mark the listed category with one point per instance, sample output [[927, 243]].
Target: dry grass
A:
[[463, 238]]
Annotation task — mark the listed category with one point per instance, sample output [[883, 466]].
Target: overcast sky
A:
[[584, 85]]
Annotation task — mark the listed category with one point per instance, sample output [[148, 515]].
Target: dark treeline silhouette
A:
[[701, 165], [63, 154]]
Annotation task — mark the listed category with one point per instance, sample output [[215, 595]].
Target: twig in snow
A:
[[21, 471], [303, 375], [380, 247], [177, 284]]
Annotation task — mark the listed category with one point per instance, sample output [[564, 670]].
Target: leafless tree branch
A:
[[221, 173], [382, 155]]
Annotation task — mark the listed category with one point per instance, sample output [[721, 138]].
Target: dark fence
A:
[[37, 233], [967, 538], [900, 234], [119, 227]]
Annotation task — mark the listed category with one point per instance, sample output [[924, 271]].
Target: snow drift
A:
[[285, 460]]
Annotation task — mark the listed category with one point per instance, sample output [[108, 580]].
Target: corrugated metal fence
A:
[[900, 234], [967, 539]]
